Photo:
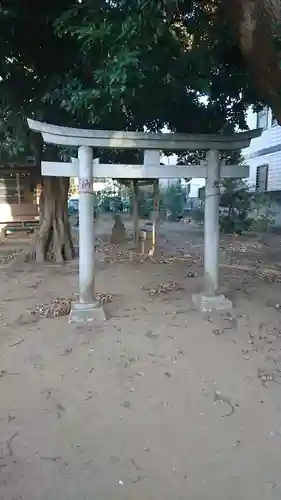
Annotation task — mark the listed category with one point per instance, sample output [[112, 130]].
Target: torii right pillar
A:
[[211, 299]]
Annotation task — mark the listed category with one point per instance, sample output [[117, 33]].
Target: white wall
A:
[[168, 160], [195, 185], [269, 138]]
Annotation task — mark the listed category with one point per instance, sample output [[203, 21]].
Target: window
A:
[[262, 118], [261, 178]]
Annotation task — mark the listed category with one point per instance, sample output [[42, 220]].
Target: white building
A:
[[264, 154], [195, 185]]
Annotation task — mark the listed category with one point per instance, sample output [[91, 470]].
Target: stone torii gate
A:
[[88, 309]]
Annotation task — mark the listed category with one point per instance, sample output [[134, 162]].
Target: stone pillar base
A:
[[82, 313], [207, 303]]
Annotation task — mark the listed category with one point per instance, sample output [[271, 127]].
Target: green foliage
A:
[[119, 64], [145, 204], [73, 188], [237, 224], [265, 206], [147, 63], [171, 200], [263, 223], [32, 56], [236, 206], [174, 197]]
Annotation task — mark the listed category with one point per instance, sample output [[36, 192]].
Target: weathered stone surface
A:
[[211, 303], [82, 313], [118, 234]]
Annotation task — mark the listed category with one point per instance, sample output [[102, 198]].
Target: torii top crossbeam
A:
[[68, 136]]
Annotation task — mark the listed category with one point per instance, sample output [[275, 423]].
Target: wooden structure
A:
[[19, 197]]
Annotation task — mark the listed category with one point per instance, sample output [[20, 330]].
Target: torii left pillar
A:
[[88, 309]]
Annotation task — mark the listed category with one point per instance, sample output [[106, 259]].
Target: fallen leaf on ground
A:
[[61, 306], [164, 288]]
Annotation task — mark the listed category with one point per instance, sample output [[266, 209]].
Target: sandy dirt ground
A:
[[160, 403]]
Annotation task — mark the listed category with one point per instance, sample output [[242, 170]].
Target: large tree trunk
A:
[[258, 30], [54, 240]]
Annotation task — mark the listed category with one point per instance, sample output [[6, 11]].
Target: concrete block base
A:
[[82, 313], [207, 303]]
